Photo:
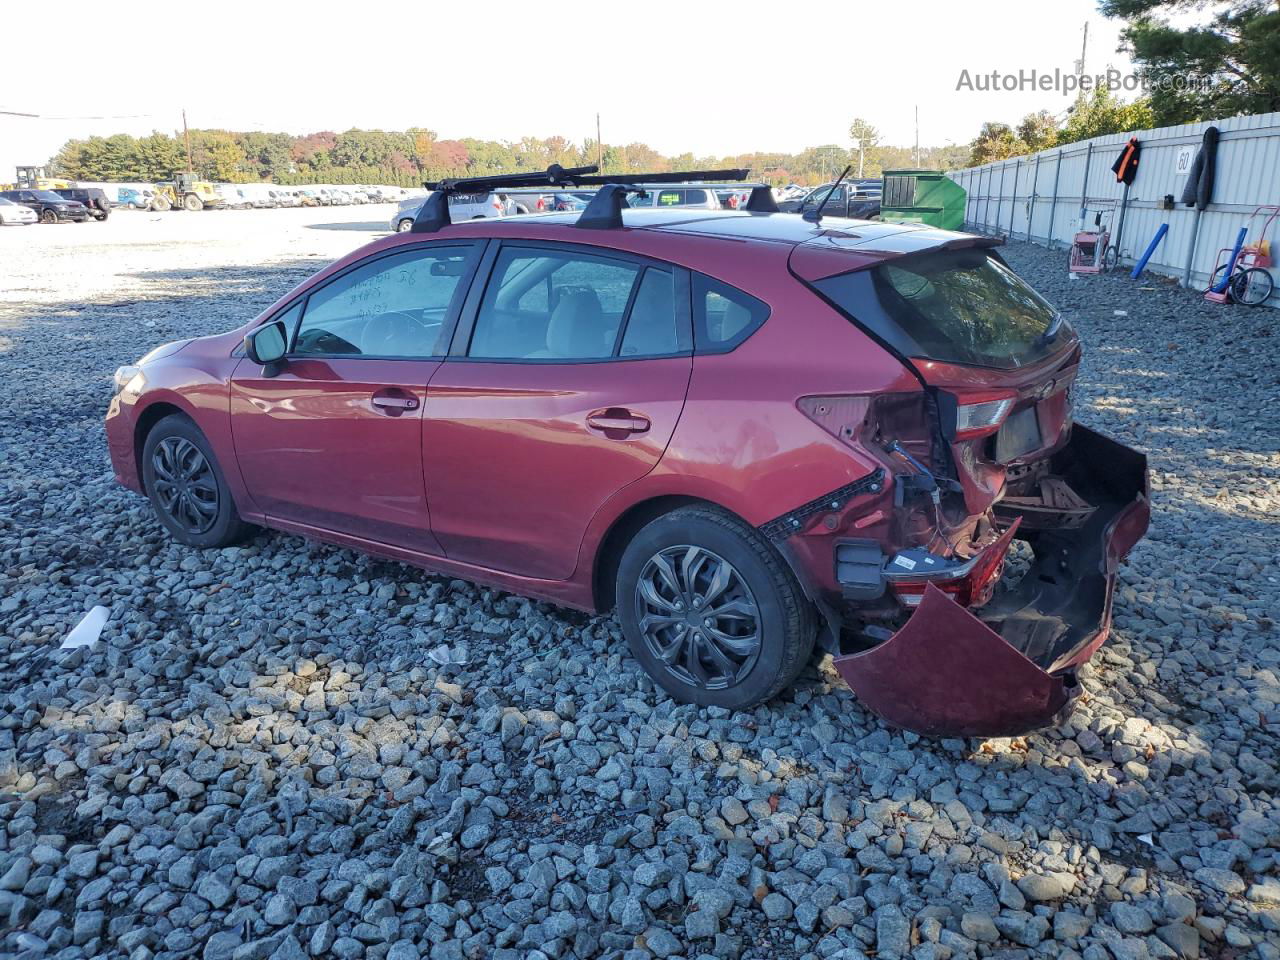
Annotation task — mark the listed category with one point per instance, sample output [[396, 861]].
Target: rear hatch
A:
[[999, 360]]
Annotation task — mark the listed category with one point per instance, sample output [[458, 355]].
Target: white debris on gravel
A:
[[261, 758]]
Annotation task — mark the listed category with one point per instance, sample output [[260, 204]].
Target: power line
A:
[[41, 116]]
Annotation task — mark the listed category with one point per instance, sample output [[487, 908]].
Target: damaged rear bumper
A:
[[1009, 667]]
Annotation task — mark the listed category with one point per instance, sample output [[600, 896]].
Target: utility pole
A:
[[917, 136], [599, 145], [1084, 47], [186, 135]]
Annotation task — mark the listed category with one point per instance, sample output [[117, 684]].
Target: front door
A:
[[333, 438], [564, 384]]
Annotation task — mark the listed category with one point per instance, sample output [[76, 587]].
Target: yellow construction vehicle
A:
[[33, 178], [185, 192]]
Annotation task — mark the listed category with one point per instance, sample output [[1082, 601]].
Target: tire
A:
[[1110, 258], [681, 557], [193, 503], [405, 225], [48, 216], [1252, 287], [161, 204], [192, 202]]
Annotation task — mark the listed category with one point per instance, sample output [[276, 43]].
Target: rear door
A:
[[333, 439], [564, 384]]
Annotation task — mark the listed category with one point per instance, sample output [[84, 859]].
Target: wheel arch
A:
[[627, 524], [145, 423]]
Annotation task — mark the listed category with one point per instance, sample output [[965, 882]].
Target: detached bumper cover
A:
[[1010, 668]]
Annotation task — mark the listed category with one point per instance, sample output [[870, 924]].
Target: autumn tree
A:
[[995, 141], [1102, 113], [866, 137]]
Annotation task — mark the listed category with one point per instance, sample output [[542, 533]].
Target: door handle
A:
[[394, 403], [619, 421]]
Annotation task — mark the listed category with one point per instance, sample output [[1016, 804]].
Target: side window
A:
[[394, 306], [723, 316], [670, 198], [546, 305], [695, 196], [653, 326]]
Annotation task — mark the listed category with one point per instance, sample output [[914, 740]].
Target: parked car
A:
[[703, 198], [133, 198], [16, 213], [234, 197], [563, 202], [48, 206], [94, 200], [308, 198], [740, 447], [845, 201], [462, 206]]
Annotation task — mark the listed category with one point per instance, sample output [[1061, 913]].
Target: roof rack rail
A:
[[604, 211], [434, 214]]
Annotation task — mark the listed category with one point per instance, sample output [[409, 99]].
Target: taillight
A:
[[976, 413]]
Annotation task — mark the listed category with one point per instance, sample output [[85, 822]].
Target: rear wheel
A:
[[187, 489], [1110, 257], [1252, 287], [711, 611], [192, 202]]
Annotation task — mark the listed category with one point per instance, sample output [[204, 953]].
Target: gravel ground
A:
[[260, 758]]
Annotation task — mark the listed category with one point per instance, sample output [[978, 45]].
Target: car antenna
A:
[[815, 215]]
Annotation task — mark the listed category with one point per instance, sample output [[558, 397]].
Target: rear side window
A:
[[966, 306], [723, 316], [564, 306], [669, 198]]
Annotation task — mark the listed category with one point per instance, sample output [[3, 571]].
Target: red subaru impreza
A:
[[744, 432]]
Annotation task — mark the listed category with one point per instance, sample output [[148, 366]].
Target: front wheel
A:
[[405, 225], [192, 202], [1110, 258], [1252, 287], [48, 216], [711, 610], [187, 488]]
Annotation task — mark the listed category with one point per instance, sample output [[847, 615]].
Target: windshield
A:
[[49, 196], [956, 306]]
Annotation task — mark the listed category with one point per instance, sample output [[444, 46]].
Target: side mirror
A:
[[268, 344]]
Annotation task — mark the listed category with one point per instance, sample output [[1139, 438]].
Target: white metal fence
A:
[[1040, 197]]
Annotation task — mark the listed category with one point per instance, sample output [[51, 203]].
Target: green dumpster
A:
[[923, 196]]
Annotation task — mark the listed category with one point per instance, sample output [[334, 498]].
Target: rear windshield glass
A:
[[956, 306]]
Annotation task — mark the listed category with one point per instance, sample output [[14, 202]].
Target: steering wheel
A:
[[385, 332]]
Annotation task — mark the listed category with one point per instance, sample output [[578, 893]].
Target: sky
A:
[[713, 78]]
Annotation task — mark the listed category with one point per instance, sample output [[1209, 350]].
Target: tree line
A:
[[410, 157]]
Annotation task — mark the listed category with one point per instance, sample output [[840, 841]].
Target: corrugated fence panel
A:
[[1041, 197]]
